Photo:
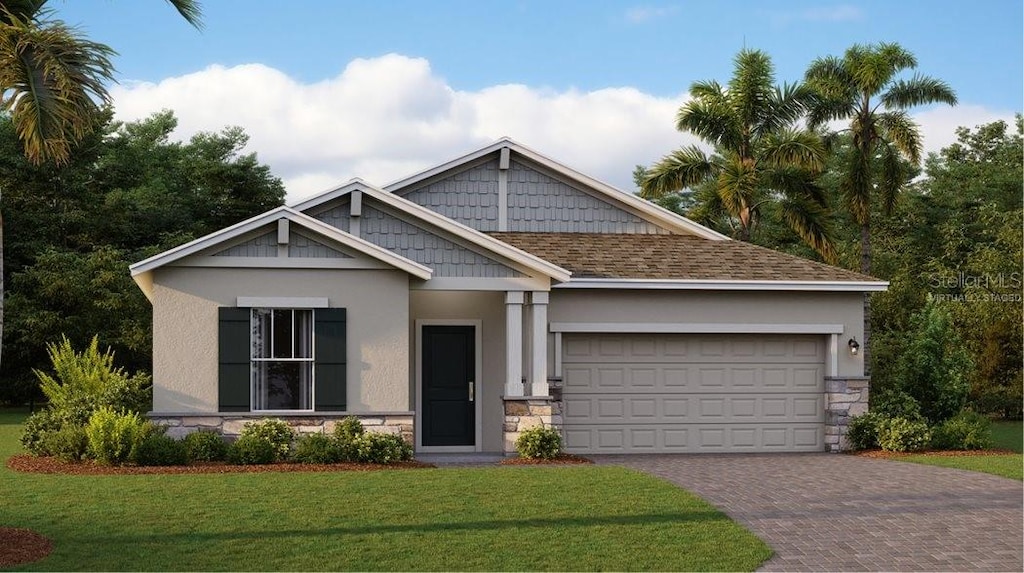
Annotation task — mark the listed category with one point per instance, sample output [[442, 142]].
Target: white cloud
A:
[[835, 13], [641, 14], [388, 117], [385, 118]]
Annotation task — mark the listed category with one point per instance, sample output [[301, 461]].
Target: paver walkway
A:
[[827, 512]]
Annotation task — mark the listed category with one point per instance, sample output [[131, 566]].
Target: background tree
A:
[[865, 88], [53, 84], [759, 159]]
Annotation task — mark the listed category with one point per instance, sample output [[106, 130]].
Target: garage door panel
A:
[[696, 438], [598, 409], [693, 393]]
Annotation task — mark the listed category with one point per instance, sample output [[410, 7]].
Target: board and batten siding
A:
[[539, 203], [469, 197], [447, 258]]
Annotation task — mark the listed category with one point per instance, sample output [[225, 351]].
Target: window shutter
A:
[[330, 359], [233, 359]]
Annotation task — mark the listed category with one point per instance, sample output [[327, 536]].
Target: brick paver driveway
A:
[[827, 512]]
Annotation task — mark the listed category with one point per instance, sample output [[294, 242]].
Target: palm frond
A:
[[893, 176], [752, 86], [792, 147], [190, 10], [738, 186], [919, 90], [791, 181], [53, 83], [21, 10], [855, 185], [685, 167], [810, 222], [713, 121], [899, 129]]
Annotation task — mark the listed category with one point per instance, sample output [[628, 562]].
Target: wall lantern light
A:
[[854, 346]]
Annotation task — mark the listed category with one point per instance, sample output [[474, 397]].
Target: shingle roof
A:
[[617, 256]]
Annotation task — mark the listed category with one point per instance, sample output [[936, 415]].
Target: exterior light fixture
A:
[[854, 346]]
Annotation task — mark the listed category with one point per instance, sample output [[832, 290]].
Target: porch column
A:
[[514, 343], [539, 344]]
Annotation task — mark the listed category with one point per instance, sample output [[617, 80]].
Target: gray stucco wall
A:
[[721, 307], [488, 307], [185, 302]]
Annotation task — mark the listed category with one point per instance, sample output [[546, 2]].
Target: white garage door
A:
[[685, 393]]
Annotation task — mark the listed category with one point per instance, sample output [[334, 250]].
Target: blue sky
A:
[[592, 83]]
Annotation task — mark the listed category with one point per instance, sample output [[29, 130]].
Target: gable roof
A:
[[140, 270], [472, 236], [658, 215], [681, 260]]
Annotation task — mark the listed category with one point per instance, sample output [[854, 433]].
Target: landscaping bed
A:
[[18, 545], [560, 459], [943, 453], [50, 465]]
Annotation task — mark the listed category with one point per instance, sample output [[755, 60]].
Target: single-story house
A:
[[498, 291]]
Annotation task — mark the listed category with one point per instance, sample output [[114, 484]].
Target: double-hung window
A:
[[282, 359]]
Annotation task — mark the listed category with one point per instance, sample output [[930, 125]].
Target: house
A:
[[496, 292]]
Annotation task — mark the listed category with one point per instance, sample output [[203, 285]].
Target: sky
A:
[[328, 90]]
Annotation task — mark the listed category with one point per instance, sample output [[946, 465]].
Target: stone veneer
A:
[[845, 397], [525, 412], [231, 424]]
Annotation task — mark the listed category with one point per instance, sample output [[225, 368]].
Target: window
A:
[[265, 359], [282, 359]]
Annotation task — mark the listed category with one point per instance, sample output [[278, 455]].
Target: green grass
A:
[[1006, 435], [516, 518]]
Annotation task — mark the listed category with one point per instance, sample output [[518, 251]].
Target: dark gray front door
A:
[[449, 366]]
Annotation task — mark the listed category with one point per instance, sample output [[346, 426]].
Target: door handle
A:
[[472, 390]]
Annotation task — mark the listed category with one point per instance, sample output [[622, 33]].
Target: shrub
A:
[[539, 443], [896, 404], [316, 449], [68, 443], [347, 434], [863, 431], [251, 450], [158, 449], [37, 427], [205, 446], [376, 448], [935, 368], [275, 432], [114, 436], [903, 435], [965, 431]]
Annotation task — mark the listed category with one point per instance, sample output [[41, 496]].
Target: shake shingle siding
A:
[[447, 258], [302, 246], [539, 203], [262, 246], [469, 197]]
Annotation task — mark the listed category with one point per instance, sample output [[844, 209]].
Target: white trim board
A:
[[478, 384], [281, 302], [702, 284], [694, 328]]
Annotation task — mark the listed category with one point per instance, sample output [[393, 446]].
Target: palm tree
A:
[[760, 157], [864, 87], [53, 82]]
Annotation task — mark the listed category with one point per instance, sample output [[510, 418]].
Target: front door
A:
[[449, 379]]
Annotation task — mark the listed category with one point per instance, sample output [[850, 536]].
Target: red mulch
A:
[[46, 465], [948, 453], [19, 546], [561, 460]]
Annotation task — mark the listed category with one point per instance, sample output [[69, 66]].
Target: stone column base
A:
[[525, 412], [845, 397]]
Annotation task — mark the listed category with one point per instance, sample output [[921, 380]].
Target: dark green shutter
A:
[[330, 359], [233, 358]]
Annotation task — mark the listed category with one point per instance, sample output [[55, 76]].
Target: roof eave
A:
[[734, 285]]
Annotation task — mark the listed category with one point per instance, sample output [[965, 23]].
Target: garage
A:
[[690, 393]]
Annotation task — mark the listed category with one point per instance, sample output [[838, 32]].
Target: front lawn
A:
[[1006, 435], [502, 518]]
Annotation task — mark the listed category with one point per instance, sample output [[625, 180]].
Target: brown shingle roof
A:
[[618, 256]]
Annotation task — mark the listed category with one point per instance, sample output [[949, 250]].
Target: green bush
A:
[[37, 427], [316, 449], [347, 434], [539, 443], [275, 432], [113, 436], [251, 450], [965, 431], [903, 435], [68, 443], [862, 432], [893, 403], [377, 448], [158, 449], [205, 446]]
